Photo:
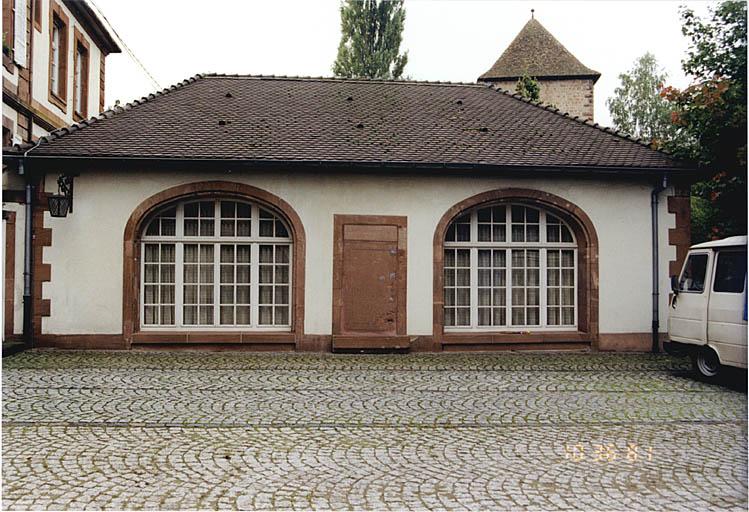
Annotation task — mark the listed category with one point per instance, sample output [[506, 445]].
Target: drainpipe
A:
[[660, 187], [27, 248], [28, 331]]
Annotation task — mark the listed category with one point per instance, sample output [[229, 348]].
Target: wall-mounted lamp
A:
[[62, 202]]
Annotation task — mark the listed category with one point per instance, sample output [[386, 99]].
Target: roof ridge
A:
[[106, 114], [587, 122], [337, 79]]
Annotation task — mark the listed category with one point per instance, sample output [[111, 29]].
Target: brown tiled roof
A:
[[346, 121], [537, 53]]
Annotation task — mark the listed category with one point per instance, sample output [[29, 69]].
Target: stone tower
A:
[[564, 81]]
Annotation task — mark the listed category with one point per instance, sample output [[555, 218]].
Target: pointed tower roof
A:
[[537, 53]]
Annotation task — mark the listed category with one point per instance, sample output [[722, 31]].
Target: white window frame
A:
[[254, 241], [508, 245]]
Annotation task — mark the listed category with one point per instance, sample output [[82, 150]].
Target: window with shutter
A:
[[8, 23]]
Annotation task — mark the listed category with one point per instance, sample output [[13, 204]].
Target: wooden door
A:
[[369, 283]]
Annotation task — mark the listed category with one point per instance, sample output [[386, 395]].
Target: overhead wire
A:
[[125, 46]]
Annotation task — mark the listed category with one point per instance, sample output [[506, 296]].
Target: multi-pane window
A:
[[274, 282], [509, 267], [55, 60], [216, 263], [235, 291], [526, 287], [81, 80], [158, 283], [492, 287], [560, 286], [457, 286], [58, 48], [198, 285]]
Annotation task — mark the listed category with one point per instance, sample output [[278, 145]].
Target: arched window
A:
[[509, 267], [216, 263]]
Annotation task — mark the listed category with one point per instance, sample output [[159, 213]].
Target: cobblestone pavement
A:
[[106, 430]]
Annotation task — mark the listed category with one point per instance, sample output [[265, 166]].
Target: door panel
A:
[[688, 316], [369, 299], [726, 327], [369, 281]]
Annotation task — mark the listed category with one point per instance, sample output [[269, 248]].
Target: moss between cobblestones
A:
[[41, 359], [437, 431]]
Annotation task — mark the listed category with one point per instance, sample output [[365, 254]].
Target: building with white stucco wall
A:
[[54, 54], [338, 214]]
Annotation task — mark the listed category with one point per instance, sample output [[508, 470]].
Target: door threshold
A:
[[371, 343]]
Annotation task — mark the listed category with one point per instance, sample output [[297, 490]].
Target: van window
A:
[[693, 278], [730, 272]]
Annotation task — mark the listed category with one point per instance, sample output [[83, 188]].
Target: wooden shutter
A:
[[19, 33]]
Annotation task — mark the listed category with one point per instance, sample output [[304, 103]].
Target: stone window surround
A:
[[215, 243], [209, 189], [587, 264], [56, 15], [79, 41]]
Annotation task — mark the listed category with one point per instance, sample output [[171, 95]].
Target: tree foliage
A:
[[713, 111], [371, 34], [639, 110], [528, 88]]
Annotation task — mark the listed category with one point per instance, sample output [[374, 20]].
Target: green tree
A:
[[713, 111], [637, 107], [371, 34], [528, 88]]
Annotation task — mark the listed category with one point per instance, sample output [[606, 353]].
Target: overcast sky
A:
[[447, 40]]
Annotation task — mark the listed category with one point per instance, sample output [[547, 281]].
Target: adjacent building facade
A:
[[54, 55], [53, 66]]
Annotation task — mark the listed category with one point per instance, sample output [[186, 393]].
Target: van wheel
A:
[[705, 362]]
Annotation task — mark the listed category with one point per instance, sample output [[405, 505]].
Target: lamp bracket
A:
[[65, 187]]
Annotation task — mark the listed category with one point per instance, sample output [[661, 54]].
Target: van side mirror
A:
[[675, 284]]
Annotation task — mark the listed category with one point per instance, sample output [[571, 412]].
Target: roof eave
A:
[[499, 78], [45, 161], [98, 32]]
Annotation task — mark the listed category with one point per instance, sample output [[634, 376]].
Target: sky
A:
[[446, 40]]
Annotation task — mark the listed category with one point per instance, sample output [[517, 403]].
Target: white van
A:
[[708, 306]]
